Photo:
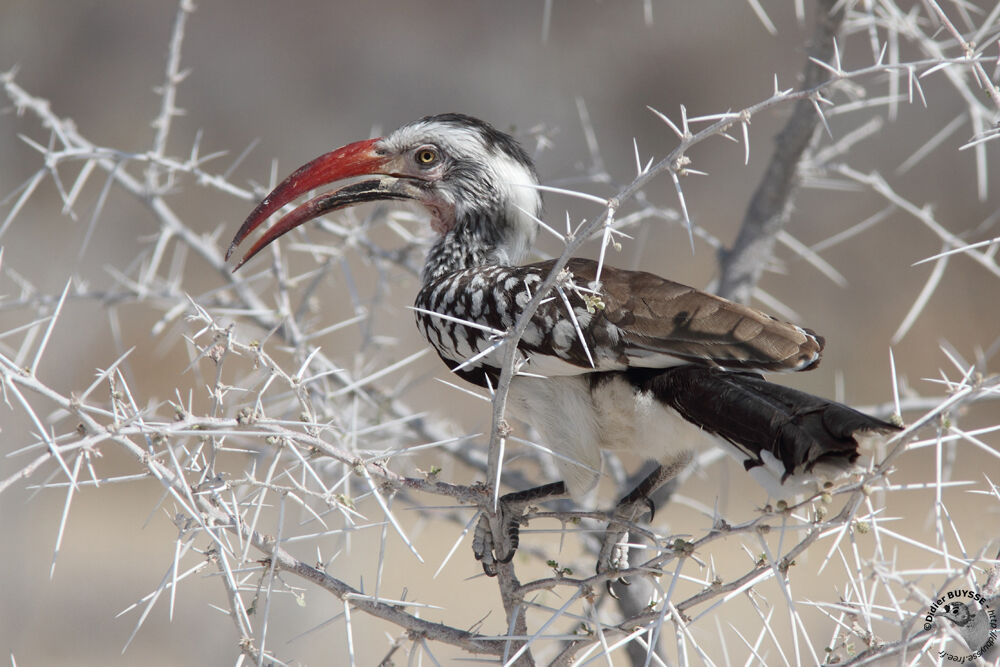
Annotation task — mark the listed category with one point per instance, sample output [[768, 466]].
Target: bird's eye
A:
[[426, 156]]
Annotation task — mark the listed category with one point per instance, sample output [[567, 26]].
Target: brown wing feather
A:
[[653, 322]]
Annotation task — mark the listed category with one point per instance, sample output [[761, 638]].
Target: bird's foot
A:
[[484, 546], [614, 550], [494, 547], [613, 556]]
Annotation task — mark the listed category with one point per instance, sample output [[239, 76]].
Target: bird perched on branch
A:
[[610, 359]]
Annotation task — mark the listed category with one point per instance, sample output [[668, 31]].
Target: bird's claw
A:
[[613, 556], [509, 514], [484, 547], [616, 559], [651, 506]]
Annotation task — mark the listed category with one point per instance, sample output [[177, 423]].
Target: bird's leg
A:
[[614, 548], [510, 510]]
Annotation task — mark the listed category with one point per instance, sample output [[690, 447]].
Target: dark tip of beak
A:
[[357, 159]]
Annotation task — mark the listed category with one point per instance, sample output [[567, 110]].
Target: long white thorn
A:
[[48, 329]]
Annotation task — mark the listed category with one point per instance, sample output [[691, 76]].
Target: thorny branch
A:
[[767, 214], [318, 463]]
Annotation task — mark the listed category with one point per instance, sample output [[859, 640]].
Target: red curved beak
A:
[[357, 159]]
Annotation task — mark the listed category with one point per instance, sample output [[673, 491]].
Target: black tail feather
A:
[[799, 429]]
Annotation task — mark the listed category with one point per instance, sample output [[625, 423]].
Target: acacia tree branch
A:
[[154, 440], [742, 265], [78, 147], [211, 513]]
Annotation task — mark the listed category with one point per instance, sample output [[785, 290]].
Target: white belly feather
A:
[[578, 423]]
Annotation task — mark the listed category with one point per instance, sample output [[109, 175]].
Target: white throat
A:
[[524, 205]]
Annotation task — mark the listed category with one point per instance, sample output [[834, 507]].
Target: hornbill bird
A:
[[631, 361]]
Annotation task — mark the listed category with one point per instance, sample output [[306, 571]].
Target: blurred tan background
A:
[[304, 77]]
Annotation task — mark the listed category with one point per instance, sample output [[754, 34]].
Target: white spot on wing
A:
[[462, 347], [532, 334], [563, 334], [477, 303], [503, 306]]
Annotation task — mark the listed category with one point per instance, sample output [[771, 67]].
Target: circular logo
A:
[[968, 613]]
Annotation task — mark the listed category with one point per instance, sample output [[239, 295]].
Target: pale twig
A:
[[989, 242], [924, 214], [921, 301], [168, 90], [762, 16], [301, 460], [743, 263]]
